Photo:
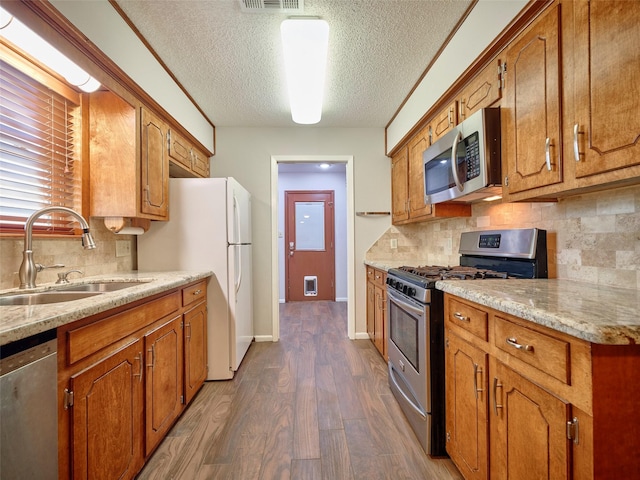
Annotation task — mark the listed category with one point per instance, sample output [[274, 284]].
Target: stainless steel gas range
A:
[[415, 320]]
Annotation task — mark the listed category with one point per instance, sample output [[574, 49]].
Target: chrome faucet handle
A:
[[40, 267], [62, 276]]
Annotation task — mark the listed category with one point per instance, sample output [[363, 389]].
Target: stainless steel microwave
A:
[[464, 165]]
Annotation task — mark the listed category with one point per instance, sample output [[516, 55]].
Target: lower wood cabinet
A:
[[124, 377], [106, 418], [377, 308], [525, 402]]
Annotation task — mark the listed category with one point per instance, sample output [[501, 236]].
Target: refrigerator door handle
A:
[[239, 270], [236, 225]]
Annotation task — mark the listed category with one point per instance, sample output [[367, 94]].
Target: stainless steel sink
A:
[[41, 298], [100, 287]]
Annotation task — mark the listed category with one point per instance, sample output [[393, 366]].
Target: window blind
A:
[[37, 152]]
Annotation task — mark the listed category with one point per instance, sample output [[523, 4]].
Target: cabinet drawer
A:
[[95, 336], [194, 293], [379, 277], [541, 351], [467, 317]]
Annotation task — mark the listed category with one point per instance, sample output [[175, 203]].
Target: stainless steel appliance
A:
[[29, 413], [415, 320], [464, 165]]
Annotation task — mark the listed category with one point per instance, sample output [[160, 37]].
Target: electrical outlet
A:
[[394, 243], [123, 248]]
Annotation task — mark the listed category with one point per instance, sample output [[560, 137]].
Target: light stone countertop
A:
[[21, 321], [595, 313]]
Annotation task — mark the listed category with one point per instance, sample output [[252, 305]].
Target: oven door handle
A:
[[409, 401], [418, 311]]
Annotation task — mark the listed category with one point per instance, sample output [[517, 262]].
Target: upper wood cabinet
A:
[[605, 123], [569, 114], [530, 113], [407, 183], [129, 165], [185, 160], [484, 90], [399, 186]]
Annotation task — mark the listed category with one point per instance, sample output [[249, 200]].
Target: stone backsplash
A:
[[592, 238], [69, 252]]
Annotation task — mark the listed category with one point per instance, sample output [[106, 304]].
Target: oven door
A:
[[407, 344]]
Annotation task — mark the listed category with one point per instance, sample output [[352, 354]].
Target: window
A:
[[39, 147]]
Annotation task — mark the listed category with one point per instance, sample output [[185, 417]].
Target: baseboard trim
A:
[[263, 338]]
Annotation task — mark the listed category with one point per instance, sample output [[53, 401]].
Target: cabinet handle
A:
[[451, 116], [461, 317], [188, 331], [153, 355], [547, 153], [139, 359], [462, 109], [514, 343], [197, 292], [477, 369], [496, 405], [576, 150]]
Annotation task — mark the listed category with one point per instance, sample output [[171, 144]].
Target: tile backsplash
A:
[[69, 252], [592, 238]]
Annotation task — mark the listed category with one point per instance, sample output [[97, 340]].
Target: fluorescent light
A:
[[26, 39], [305, 43]]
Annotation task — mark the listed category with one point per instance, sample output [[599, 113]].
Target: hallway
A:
[[314, 405]]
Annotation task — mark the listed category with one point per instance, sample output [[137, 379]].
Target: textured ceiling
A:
[[230, 62]]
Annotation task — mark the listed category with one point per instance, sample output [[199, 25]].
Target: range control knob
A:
[[411, 292]]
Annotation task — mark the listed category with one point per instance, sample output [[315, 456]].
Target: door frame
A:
[[350, 214]]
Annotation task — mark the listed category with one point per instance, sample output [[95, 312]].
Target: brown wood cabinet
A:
[[164, 380], [526, 402], [128, 159], [466, 410], [569, 123], [122, 380], [377, 308], [530, 113], [105, 421], [185, 160], [407, 182], [484, 90]]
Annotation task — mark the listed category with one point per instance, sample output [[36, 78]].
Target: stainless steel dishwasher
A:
[[29, 416]]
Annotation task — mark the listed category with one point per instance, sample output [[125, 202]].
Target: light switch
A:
[[394, 243]]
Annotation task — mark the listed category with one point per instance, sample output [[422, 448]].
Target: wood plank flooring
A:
[[314, 405]]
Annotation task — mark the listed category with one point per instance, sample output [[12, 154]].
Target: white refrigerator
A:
[[209, 228]]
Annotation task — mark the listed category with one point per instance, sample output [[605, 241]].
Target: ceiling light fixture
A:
[[30, 42], [305, 41]]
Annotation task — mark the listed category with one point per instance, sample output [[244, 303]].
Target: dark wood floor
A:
[[314, 405]]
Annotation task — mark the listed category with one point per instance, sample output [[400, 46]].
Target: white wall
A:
[[318, 181], [245, 153]]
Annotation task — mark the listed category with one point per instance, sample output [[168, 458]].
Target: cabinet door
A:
[[179, 149], [164, 361], [371, 311], [606, 59], [442, 123], [528, 429], [107, 417], [530, 113], [484, 90], [399, 184], [466, 407], [417, 207], [195, 350], [154, 165], [200, 163]]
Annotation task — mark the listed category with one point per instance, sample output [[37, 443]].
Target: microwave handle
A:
[[454, 163]]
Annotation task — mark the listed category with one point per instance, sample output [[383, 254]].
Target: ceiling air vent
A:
[[272, 6]]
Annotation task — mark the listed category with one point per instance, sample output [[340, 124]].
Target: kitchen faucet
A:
[[29, 269]]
